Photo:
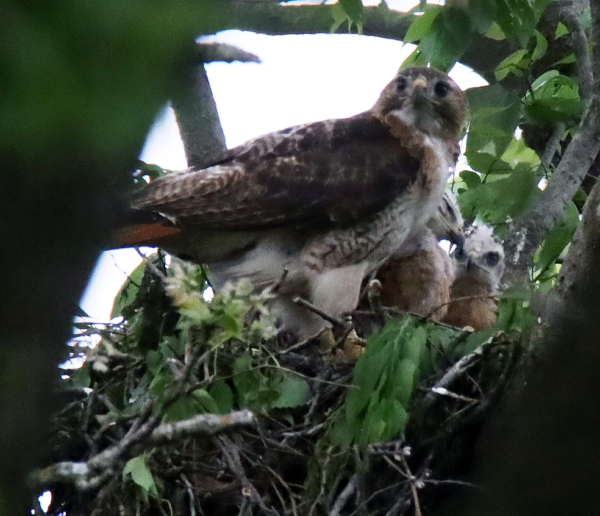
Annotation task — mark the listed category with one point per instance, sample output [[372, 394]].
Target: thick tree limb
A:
[[569, 17], [267, 17], [212, 52], [528, 232], [198, 119], [91, 474], [540, 451]]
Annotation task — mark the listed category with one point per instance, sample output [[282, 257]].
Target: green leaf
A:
[[471, 179], [223, 396], [517, 153], [354, 10], [495, 114], [554, 97], [497, 200], [514, 311], [558, 238], [517, 19], [205, 401], [293, 392], [514, 63], [138, 470], [449, 37], [128, 291], [561, 30], [81, 377], [405, 381], [422, 24], [483, 14], [541, 45], [182, 408]]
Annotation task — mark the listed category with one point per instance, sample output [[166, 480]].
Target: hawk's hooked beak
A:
[[457, 238], [421, 82], [419, 89]]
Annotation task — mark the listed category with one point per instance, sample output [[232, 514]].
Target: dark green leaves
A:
[[553, 98], [443, 34], [128, 291], [141, 475], [347, 11], [494, 118], [558, 239]]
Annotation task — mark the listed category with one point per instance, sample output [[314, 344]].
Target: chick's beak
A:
[[457, 238]]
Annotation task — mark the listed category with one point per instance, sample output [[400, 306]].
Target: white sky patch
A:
[[302, 78]]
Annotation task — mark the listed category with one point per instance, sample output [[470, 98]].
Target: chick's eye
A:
[[441, 89], [492, 259], [401, 84], [460, 254]]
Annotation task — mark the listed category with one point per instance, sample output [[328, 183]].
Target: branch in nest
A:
[[336, 322], [90, 474]]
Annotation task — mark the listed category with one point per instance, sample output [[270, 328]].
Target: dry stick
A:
[[458, 299], [344, 495], [232, 456], [304, 303], [190, 491], [458, 369], [81, 474], [413, 487]]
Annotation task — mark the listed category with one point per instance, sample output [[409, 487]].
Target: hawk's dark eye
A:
[[401, 84], [441, 89], [492, 259], [460, 254]]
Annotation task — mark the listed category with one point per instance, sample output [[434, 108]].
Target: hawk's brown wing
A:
[[316, 175]]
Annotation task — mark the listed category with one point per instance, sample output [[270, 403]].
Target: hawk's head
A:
[[447, 222], [426, 99], [482, 257]]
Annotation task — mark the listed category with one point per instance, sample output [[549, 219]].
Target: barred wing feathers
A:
[[330, 173]]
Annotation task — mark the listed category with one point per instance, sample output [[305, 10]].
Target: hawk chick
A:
[[479, 268], [326, 202], [418, 276]]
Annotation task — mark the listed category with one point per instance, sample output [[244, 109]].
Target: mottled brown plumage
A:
[[327, 201], [418, 276], [479, 269]]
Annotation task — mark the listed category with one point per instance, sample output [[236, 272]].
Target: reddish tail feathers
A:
[[143, 234]]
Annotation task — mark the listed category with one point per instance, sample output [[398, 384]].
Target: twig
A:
[[459, 299], [550, 149], [305, 304], [457, 370], [413, 485], [190, 491], [580, 48], [343, 497], [148, 262], [90, 474]]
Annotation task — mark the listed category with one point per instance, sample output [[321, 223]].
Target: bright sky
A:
[[301, 79]]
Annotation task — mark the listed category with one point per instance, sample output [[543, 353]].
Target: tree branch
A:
[[538, 451], [528, 232], [267, 17], [90, 474], [569, 17], [212, 52], [198, 119]]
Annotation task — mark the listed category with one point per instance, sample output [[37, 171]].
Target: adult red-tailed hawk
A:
[[418, 276], [327, 201], [479, 268]]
